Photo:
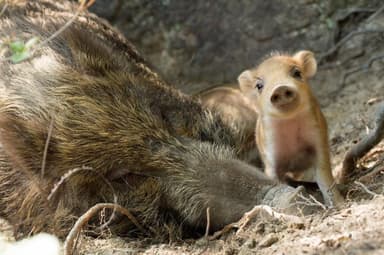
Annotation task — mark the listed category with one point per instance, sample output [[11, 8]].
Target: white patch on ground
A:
[[40, 244]]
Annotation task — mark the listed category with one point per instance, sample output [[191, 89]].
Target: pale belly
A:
[[291, 145]]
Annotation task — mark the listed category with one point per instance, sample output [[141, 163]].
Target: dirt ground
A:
[[355, 228]]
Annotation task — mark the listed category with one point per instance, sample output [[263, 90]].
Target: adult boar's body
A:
[[98, 104]]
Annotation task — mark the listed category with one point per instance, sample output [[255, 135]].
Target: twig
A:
[[372, 171], [365, 145], [356, 10], [311, 201], [224, 230], [75, 231], [366, 189], [43, 163], [85, 168], [83, 6], [374, 15], [317, 202], [208, 223], [66, 176], [207, 232], [374, 100]]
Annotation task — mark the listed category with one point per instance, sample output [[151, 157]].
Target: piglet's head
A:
[[279, 85]]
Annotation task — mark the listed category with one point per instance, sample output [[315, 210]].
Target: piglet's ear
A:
[[246, 81], [307, 60]]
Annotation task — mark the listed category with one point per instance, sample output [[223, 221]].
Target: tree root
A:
[[69, 244], [362, 147]]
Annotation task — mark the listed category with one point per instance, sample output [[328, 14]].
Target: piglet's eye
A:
[[296, 73], [259, 85]]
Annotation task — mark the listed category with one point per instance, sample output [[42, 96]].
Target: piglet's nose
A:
[[283, 96]]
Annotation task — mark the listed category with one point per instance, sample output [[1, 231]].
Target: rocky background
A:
[[199, 44]]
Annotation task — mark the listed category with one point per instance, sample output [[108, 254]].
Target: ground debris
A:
[[268, 240]]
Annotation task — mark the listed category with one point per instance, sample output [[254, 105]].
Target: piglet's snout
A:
[[284, 97]]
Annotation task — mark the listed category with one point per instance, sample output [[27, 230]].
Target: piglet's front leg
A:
[[325, 180]]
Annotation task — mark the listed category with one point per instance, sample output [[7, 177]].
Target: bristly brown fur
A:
[[167, 158]]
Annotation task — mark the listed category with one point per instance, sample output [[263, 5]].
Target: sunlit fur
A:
[[237, 111]]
